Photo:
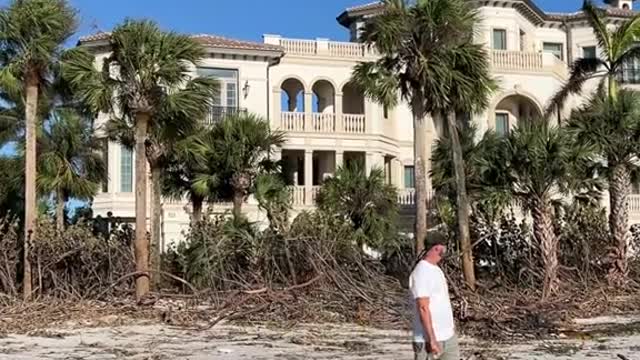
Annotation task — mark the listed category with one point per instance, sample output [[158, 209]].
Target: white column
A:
[[308, 109], [322, 46], [397, 169], [374, 160], [308, 176], [276, 112], [338, 112], [339, 158]]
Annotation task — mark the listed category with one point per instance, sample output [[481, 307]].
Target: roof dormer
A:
[[620, 4]]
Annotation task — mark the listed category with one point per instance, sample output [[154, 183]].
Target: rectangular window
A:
[[409, 177], [502, 123], [589, 52], [499, 39], [555, 48], [226, 100], [126, 170]]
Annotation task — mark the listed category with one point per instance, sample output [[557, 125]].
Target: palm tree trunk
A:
[[238, 199], [141, 241], [612, 87], [60, 202], [462, 202], [197, 209], [420, 148], [619, 189], [156, 221], [30, 206], [544, 234]]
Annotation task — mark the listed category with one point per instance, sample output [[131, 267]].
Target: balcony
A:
[[629, 76], [522, 61], [321, 48], [218, 113], [323, 123]]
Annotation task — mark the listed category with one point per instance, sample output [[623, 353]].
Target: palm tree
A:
[[179, 116], [543, 165], [192, 173], [364, 199], [274, 198], [143, 70], [618, 48], [240, 145], [613, 129], [32, 35], [428, 55], [69, 161], [484, 169]]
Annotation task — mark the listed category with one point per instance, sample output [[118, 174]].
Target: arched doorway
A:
[[513, 110]]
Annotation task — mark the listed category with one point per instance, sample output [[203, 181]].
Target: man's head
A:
[[436, 247]]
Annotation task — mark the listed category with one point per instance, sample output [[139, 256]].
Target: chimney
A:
[[620, 4]]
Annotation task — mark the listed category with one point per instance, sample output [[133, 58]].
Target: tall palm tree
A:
[[428, 55], [613, 129], [617, 49], [178, 118], [365, 199], [543, 166], [69, 161], [241, 145], [137, 81], [32, 35]]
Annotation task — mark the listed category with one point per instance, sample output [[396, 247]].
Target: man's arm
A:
[[422, 304]]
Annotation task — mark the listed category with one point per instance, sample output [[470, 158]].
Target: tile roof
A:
[[205, 39], [369, 6]]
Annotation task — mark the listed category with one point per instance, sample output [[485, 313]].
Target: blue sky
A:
[[242, 19]]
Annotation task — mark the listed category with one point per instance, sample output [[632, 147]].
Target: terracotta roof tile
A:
[[205, 39], [369, 6]]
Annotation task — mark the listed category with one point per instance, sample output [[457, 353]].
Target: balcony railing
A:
[[323, 47], [218, 113], [510, 60], [629, 76], [323, 122]]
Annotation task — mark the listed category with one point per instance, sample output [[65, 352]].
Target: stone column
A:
[[308, 176], [308, 110], [339, 158], [338, 111], [276, 112], [374, 160]]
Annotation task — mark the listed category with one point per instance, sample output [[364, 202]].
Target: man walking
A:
[[433, 327]]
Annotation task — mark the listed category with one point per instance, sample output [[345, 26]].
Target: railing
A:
[[354, 123], [292, 121], [299, 46], [629, 75], [218, 113], [406, 197], [326, 48], [315, 190], [297, 195], [516, 60], [634, 203], [323, 122], [346, 49]]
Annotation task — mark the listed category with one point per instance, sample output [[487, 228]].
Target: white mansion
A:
[[302, 87]]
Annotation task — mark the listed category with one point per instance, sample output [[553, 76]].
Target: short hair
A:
[[435, 238]]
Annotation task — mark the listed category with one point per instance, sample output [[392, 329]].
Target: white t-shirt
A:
[[428, 281]]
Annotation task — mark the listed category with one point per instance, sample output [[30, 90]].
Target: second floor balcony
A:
[[323, 110], [218, 113]]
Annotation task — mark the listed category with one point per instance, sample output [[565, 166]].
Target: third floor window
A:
[[499, 39], [555, 48]]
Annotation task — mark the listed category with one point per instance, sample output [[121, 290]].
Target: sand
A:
[[157, 342]]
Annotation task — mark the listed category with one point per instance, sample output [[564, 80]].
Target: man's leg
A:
[[450, 349], [420, 351]]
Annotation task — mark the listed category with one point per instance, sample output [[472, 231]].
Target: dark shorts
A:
[[450, 350]]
